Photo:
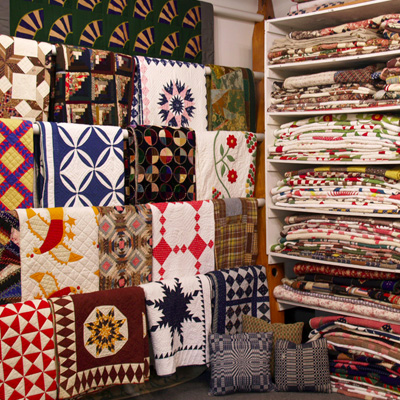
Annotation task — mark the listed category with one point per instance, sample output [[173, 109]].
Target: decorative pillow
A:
[[302, 367], [240, 363], [292, 332]]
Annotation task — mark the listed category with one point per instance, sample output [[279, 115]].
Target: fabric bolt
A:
[[10, 260], [183, 239], [179, 314], [25, 78], [125, 246], [231, 99], [59, 251], [101, 340], [225, 164], [170, 93], [161, 164], [28, 365], [236, 241], [237, 292], [16, 164], [93, 86], [83, 165]]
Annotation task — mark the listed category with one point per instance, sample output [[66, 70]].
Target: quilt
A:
[[183, 239], [231, 99], [225, 164], [83, 165], [25, 78], [101, 340], [125, 246], [161, 164], [170, 93], [28, 365], [59, 251], [10, 260], [236, 242], [93, 87], [237, 292], [179, 314], [16, 164]]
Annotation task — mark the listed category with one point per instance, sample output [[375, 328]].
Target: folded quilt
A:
[[237, 292], [183, 239], [171, 93], [59, 251], [321, 5], [161, 164], [179, 315], [125, 246], [93, 87], [225, 164], [16, 164], [101, 340], [83, 165]]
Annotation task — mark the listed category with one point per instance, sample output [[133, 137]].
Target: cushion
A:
[[292, 332], [240, 363], [302, 367]]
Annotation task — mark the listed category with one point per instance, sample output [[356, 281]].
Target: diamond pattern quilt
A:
[[179, 314], [171, 93], [24, 78], [183, 239], [16, 164], [83, 165], [125, 240], [59, 251], [237, 292], [101, 340], [27, 352]]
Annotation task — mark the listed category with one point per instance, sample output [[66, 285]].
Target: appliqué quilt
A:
[[83, 165], [59, 251], [183, 239], [179, 313]]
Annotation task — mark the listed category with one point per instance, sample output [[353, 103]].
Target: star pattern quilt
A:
[[171, 93], [28, 366], [125, 240], [179, 314], [183, 239], [83, 165], [59, 251], [236, 292], [101, 340]]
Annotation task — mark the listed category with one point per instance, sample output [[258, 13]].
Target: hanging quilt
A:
[[231, 99], [171, 93], [236, 242], [236, 292], [179, 313], [101, 340], [59, 251], [161, 164], [183, 239], [10, 261], [157, 28], [16, 164], [83, 165], [225, 164], [28, 366], [125, 240], [93, 86], [25, 78]]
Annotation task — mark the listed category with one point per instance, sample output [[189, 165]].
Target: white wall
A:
[[281, 7]]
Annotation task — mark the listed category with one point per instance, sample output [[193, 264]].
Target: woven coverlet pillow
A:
[[240, 363]]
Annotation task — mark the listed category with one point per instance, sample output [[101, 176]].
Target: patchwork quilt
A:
[[83, 165], [179, 314], [101, 340], [59, 251], [16, 164]]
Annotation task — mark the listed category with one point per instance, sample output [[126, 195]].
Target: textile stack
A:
[[390, 75], [308, 6]]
